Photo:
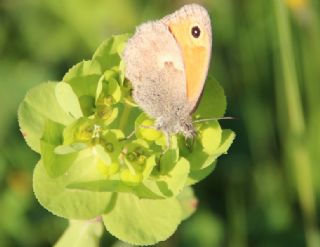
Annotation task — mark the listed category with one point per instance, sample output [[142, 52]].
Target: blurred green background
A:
[[266, 55]]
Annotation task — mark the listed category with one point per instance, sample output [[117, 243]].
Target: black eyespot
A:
[[195, 31]]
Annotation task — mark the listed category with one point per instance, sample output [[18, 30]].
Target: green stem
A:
[[124, 116], [295, 126], [82, 233]]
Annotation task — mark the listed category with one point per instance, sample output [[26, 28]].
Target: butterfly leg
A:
[[188, 130], [168, 141]]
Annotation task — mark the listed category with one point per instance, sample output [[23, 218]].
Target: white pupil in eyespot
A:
[[195, 31]]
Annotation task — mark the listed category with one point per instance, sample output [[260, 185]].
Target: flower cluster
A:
[[92, 166]]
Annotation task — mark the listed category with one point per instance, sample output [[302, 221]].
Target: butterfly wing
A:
[[196, 50], [155, 68]]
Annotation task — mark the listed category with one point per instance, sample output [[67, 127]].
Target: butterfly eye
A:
[[195, 31]]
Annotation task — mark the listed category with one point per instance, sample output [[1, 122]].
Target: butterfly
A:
[[167, 63]]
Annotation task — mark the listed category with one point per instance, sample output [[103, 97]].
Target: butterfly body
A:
[[167, 67]]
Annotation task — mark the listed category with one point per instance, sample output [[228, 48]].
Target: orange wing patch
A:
[[196, 56]]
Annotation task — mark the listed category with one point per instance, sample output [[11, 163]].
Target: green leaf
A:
[[50, 160], [108, 86], [188, 202], [113, 73], [81, 69], [196, 176], [53, 195], [68, 100], [87, 105], [108, 53], [81, 234], [33, 112], [210, 135], [52, 132], [55, 164], [150, 164], [172, 183], [205, 146], [84, 78], [142, 221], [169, 159], [226, 140], [85, 85], [203, 164], [213, 102], [126, 118]]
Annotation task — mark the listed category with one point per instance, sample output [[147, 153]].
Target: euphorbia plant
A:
[[92, 168]]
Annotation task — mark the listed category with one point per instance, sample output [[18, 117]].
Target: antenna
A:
[[212, 119]]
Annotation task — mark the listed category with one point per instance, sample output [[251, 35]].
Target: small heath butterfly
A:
[[167, 63]]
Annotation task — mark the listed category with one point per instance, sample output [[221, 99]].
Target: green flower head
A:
[[90, 164]]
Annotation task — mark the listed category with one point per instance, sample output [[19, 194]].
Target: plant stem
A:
[[124, 117], [295, 127]]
